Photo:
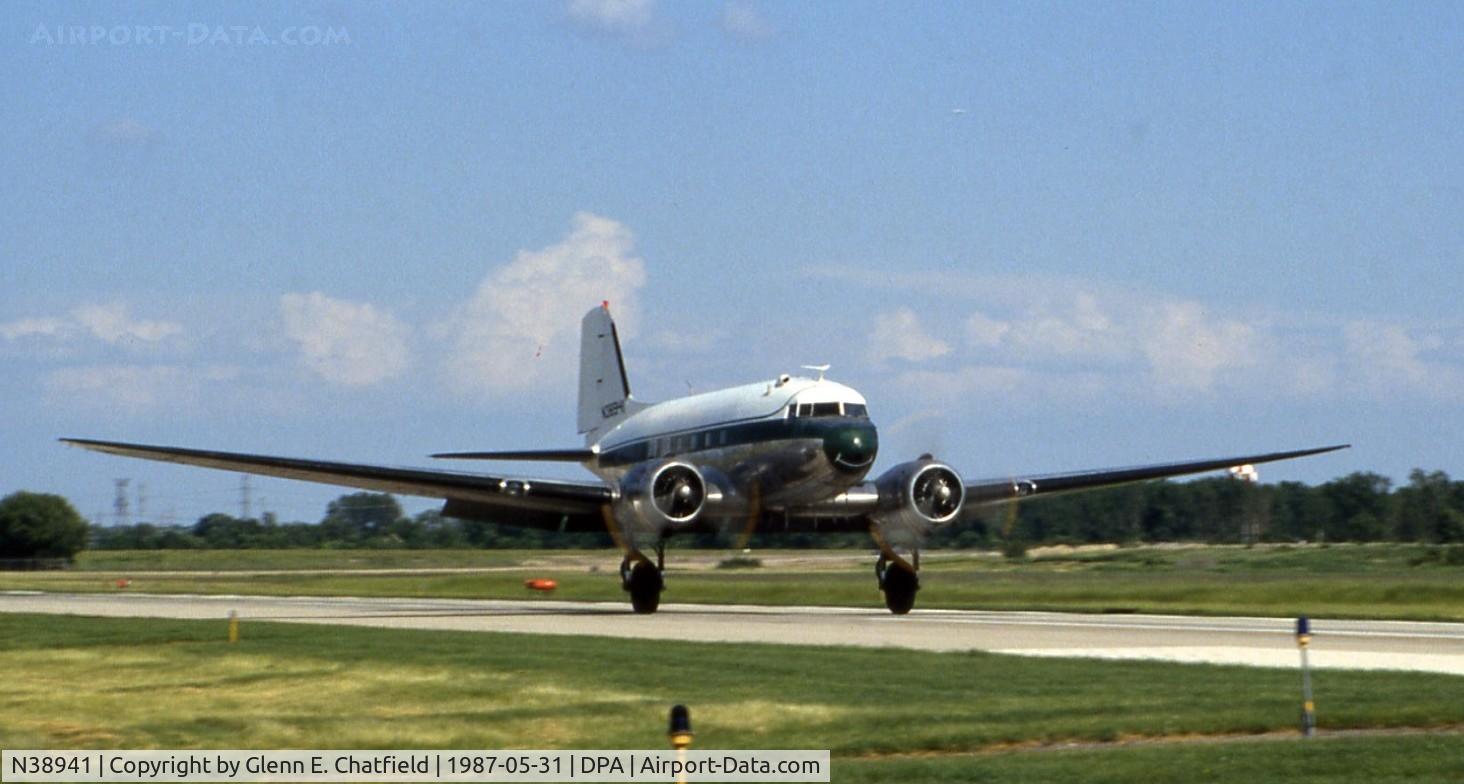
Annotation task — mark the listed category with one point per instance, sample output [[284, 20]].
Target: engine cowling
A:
[[664, 495], [915, 497]]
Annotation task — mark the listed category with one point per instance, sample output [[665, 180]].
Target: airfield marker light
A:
[[1308, 708], [680, 732], [233, 626], [680, 735]]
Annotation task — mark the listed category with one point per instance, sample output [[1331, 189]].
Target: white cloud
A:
[[1188, 351], [1075, 325], [1090, 339], [1385, 359], [741, 20], [349, 343], [1174, 343], [132, 388], [898, 335], [32, 327], [625, 17], [521, 328], [982, 330], [109, 323]]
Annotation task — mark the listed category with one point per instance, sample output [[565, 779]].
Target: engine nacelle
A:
[[657, 496], [915, 497]]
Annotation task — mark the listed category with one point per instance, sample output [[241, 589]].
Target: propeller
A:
[[936, 494], [735, 526], [677, 494], [754, 514]]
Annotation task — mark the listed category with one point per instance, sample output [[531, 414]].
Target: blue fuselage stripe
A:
[[720, 435]]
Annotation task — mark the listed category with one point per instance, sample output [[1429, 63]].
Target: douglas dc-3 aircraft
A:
[[789, 453]]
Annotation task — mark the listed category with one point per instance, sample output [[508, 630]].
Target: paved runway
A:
[[1434, 647]]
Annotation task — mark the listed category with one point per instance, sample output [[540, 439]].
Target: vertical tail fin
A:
[[604, 391]]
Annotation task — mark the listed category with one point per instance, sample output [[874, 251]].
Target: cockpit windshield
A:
[[828, 409]]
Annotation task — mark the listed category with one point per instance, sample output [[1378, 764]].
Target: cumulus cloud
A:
[[133, 388], [110, 323], [983, 330], [1076, 326], [1187, 350], [1174, 343], [349, 343], [743, 21], [618, 17], [33, 327], [899, 335], [521, 328], [1386, 359]]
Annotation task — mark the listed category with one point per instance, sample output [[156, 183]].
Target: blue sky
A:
[[1037, 237]]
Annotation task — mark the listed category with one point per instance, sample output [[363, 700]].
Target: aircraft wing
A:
[[535, 503], [1008, 488]]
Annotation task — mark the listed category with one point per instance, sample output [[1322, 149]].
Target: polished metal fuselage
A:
[[750, 436]]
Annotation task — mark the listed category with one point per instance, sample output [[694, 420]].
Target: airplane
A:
[[792, 452]]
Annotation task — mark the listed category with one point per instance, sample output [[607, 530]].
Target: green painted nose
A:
[[851, 447]]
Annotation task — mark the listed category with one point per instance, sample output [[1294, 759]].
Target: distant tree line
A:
[[1359, 507], [358, 520]]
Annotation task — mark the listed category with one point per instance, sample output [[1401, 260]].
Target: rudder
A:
[[604, 390]]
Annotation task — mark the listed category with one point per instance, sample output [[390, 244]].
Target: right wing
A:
[[533, 503], [996, 490]]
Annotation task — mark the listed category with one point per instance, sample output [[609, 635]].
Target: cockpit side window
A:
[[856, 410], [805, 409]]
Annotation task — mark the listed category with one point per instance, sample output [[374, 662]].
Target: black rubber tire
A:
[[900, 585], [645, 587]]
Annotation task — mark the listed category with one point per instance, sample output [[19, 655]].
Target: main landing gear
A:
[[642, 579], [899, 582], [898, 576]]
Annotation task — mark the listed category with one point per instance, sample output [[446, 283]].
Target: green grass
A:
[[1400, 760], [1357, 581], [124, 683]]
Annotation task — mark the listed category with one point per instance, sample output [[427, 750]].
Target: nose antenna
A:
[[822, 369]]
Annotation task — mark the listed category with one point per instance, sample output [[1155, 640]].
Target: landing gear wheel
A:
[[899, 585], [644, 584]]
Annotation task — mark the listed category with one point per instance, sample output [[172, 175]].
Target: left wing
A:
[[995, 490], [535, 503]]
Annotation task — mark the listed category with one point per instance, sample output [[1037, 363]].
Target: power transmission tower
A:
[[245, 501], [121, 515]]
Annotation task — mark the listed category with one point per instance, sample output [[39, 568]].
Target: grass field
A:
[[1359, 581], [887, 715]]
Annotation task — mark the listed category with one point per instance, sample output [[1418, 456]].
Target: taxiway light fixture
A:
[[1308, 708], [680, 730]]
